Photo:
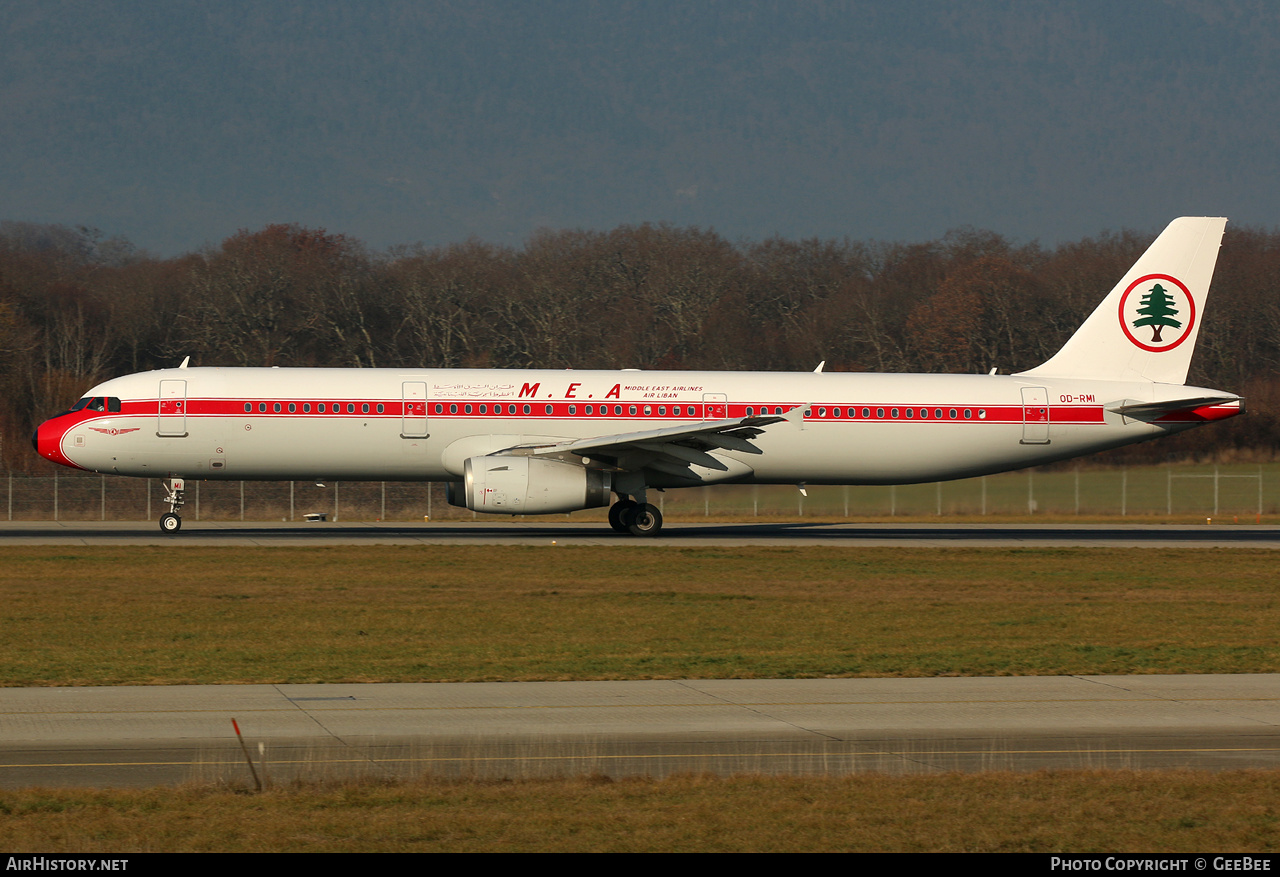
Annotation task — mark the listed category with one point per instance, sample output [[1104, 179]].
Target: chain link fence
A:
[[1240, 491]]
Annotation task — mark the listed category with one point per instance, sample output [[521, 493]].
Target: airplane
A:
[[527, 442]]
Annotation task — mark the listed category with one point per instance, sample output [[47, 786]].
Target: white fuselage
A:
[[422, 424]]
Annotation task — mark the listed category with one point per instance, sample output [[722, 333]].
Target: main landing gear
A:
[[171, 522], [636, 518]]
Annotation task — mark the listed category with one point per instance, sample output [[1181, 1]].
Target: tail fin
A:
[[1146, 328]]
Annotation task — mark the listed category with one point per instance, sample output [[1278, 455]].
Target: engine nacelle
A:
[[505, 485]]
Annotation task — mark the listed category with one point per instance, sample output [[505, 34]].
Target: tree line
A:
[[77, 308]]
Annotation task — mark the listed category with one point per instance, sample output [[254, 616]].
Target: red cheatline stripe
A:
[[819, 412]]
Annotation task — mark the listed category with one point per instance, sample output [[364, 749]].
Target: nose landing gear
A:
[[171, 522]]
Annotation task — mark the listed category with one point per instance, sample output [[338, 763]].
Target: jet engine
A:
[[506, 485]]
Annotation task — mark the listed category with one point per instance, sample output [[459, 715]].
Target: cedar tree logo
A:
[[1157, 312]]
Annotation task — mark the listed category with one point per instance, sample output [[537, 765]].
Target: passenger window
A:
[[351, 408], [527, 409], [293, 408], [364, 409], [382, 408], [465, 408], [320, 407], [262, 407], [247, 408], [276, 408], [573, 409], [306, 407], [548, 409]]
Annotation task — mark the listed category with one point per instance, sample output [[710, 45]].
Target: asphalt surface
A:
[[142, 736], [1220, 535]]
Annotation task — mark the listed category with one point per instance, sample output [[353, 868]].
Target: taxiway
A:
[[141, 736]]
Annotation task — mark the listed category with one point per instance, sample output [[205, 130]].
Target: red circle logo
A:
[[1157, 312]]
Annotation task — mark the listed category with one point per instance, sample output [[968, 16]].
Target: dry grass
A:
[[1069, 811], [188, 615]]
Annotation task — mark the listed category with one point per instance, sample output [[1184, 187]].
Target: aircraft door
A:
[[1035, 416], [715, 406], [413, 421], [172, 420]]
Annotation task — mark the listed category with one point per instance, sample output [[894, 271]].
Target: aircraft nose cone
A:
[[46, 440]]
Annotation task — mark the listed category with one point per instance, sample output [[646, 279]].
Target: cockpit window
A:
[[96, 403], [100, 403]]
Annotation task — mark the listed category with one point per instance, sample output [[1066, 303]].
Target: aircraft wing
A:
[[674, 449]]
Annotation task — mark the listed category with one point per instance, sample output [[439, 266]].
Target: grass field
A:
[[177, 615], [1075, 811], [108, 616]]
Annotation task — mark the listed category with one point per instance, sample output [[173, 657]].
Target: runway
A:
[[678, 534], [143, 736]]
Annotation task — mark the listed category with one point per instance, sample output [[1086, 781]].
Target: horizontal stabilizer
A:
[[1197, 409]]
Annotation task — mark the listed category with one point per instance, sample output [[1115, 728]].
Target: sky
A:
[[177, 123]]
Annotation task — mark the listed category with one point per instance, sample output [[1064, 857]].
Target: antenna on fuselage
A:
[[185, 360], [818, 370]]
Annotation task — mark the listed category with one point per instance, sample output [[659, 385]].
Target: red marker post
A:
[[245, 749]]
